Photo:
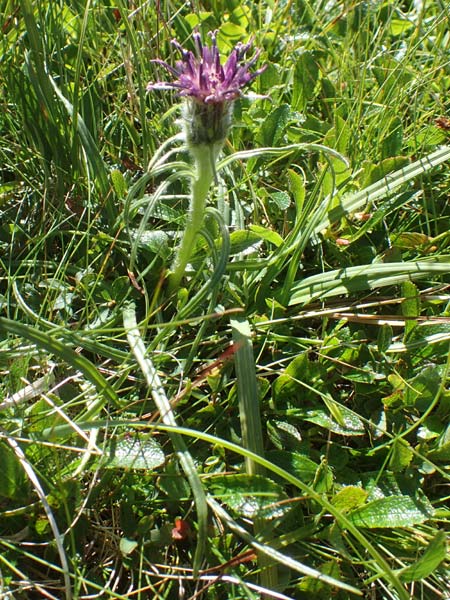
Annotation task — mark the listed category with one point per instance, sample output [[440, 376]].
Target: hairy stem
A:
[[204, 157]]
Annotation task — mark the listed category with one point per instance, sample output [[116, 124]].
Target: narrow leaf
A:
[[430, 560], [361, 278]]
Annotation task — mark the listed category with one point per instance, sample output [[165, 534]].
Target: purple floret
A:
[[201, 76]]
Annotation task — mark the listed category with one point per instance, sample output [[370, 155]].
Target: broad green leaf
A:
[[410, 240], [422, 389], [384, 338], [284, 435], [296, 463], [305, 78], [172, 483], [401, 455], [435, 553], [249, 495], [118, 181], [350, 424], [324, 478], [231, 32], [349, 498], [391, 511], [127, 546], [243, 240], [133, 452], [194, 19], [379, 171], [273, 126], [441, 454], [400, 26], [281, 200], [298, 380], [11, 473], [157, 241]]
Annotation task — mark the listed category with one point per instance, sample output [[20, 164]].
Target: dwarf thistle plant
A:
[[209, 90]]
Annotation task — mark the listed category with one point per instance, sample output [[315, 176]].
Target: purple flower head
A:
[[201, 75], [209, 87]]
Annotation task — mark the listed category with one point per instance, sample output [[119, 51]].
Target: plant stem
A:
[[204, 157]]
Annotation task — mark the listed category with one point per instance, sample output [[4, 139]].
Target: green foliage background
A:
[[311, 457]]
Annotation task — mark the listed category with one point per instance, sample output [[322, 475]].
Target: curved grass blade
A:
[[80, 363], [384, 570], [48, 511], [278, 152], [273, 554]]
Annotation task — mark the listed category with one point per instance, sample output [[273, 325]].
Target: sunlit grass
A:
[[276, 426]]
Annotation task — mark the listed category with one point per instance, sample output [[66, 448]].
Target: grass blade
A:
[[384, 187], [78, 362], [163, 405], [364, 277]]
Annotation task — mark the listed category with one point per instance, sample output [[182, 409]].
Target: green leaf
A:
[[379, 171], [127, 546], [410, 306], [350, 424], [314, 587], [249, 495], [430, 560], [294, 462], [297, 187], [118, 181], [172, 483], [273, 126], [392, 143], [401, 455], [400, 26], [284, 435], [194, 19], [349, 498], [423, 388], [11, 474], [133, 452], [243, 240], [267, 234], [410, 240], [281, 200], [306, 74], [384, 338], [391, 511], [365, 277]]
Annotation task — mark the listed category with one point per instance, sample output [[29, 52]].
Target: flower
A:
[[209, 87]]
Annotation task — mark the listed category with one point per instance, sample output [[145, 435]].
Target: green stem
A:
[[204, 157]]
